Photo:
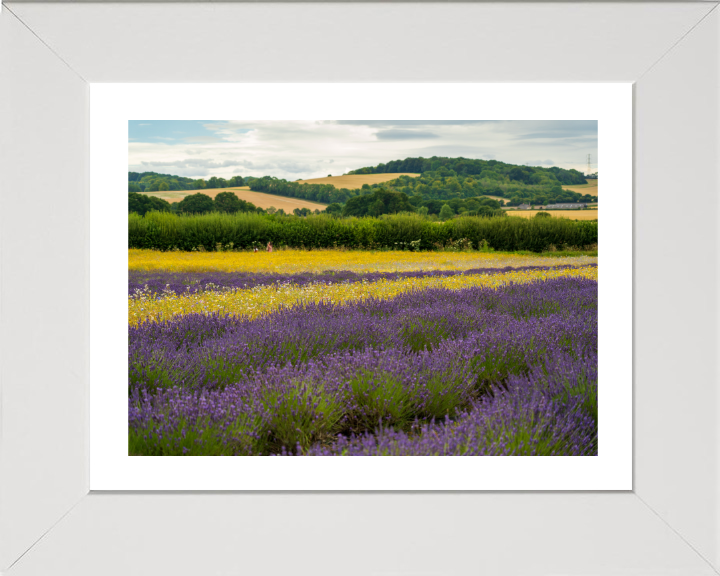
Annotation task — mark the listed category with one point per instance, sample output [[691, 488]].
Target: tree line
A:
[[384, 201], [154, 182], [484, 169], [380, 202], [192, 204], [459, 183], [242, 230]]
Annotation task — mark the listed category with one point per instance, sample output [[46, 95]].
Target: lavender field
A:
[[495, 357]]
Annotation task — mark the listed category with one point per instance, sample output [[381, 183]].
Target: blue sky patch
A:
[[176, 131]]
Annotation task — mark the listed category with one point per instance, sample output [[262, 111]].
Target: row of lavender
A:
[[194, 282], [474, 371]]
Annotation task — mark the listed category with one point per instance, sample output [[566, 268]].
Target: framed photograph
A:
[[352, 402], [75, 500]]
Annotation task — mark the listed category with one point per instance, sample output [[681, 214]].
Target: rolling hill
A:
[[356, 181], [260, 199]]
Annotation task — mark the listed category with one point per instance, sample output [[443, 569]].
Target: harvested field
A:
[[355, 181], [590, 188], [570, 214], [260, 199]]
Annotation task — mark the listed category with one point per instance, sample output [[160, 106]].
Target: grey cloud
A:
[[540, 163], [454, 150], [196, 163], [405, 135], [564, 134], [294, 167], [390, 123], [202, 139]]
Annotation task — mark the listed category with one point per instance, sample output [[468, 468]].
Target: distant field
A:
[[590, 188], [355, 181], [570, 214], [260, 199]]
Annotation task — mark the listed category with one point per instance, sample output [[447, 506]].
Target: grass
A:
[[355, 181]]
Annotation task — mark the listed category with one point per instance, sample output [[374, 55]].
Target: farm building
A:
[[524, 207], [573, 206]]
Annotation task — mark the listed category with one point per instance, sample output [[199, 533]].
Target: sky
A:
[[297, 149]]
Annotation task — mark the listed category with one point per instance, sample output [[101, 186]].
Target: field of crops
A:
[[570, 214], [260, 199], [361, 353], [590, 188], [356, 181]]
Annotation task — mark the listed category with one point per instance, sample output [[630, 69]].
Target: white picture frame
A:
[[112, 106], [49, 523]]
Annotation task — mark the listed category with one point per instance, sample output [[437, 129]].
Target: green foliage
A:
[[166, 231], [334, 209], [446, 212], [490, 169], [543, 215], [443, 180], [141, 204], [230, 203], [380, 202], [324, 193], [153, 182], [196, 204]]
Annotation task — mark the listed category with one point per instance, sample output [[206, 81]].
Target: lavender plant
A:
[[474, 371]]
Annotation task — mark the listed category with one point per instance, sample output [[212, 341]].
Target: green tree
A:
[[334, 209], [543, 215], [196, 204], [141, 204], [446, 212], [228, 202], [376, 208], [381, 201], [134, 187]]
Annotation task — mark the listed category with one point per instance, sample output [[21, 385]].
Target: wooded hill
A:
[[449, 178], [441, 179]]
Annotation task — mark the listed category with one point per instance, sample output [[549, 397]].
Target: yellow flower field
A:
[[265, 299], [295, 261]]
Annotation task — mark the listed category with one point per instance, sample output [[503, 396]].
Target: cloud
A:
[[540, 163], [294, 167], [194, 163], [308, 148], [552, 135], [455, 150], [389, 123], [405, 135]]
